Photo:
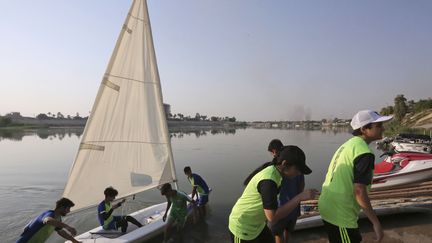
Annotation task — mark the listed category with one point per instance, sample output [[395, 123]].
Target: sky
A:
[[251, 59]]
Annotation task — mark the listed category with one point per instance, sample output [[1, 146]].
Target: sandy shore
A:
[[409, 228]]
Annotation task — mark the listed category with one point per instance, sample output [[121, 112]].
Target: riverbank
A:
[[400, 228], [408, 228], [34, 123]]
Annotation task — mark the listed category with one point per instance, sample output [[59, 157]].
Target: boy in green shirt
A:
[[258, 204], [348, 180], [40, 228], [177, 216]]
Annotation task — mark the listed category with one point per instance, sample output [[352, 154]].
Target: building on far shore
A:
[[167, 109]]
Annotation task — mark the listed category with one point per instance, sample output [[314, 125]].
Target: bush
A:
[[5, 121]]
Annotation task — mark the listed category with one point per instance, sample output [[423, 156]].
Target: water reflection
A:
[[198, 132], [227, 158], [176, 132], [60, 133], [336, 130], [42, 133]]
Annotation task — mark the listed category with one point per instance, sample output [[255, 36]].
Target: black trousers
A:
[[338, 234], [264, 237]]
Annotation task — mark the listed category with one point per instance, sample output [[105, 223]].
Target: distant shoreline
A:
[[34, 123]]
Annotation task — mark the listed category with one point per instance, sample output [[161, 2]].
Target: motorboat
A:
[[400, 169], [406, 142]]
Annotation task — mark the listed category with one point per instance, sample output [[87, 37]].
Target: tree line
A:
[[402, 107], [199, 117], [59, 115]]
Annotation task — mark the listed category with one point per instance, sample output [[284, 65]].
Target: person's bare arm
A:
[[167, 208], [283, 211], [58, 224], [362, 198], [106, 215], [194, 191], [67, 236]]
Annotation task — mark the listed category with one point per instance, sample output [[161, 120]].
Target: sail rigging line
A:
[[110, 84], [137, 18], [130, 79]]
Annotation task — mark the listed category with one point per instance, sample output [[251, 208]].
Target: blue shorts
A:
[[114, 224], [202, 200]]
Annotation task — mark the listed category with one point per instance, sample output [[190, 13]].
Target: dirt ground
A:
[[409, 228]]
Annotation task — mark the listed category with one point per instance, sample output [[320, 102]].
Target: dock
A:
[[413, 198]]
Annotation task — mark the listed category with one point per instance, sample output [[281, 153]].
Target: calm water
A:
[[35, 164]]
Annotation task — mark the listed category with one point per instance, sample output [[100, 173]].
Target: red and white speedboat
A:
[[406, 143], [401, 169]]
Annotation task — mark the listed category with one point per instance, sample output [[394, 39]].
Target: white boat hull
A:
[[415, 171], [401, 147], [150, 217], [316, 221]]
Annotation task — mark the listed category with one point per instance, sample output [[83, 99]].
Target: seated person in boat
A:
[[290, 187], [178, 201], [199, 189], [40, 228], [259, 204], [105, 210]]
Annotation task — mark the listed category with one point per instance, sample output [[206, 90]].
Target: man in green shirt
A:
[[177, 216], [40, 228], [107, 220], [259, 204], [348, 180]]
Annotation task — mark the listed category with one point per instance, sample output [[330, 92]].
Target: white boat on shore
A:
[[403, 143], [315, 221], [401, 169]]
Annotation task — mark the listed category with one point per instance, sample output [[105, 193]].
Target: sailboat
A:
[[125, 143]]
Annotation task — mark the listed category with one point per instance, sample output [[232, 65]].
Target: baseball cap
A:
[[365, 117], [294, 155]]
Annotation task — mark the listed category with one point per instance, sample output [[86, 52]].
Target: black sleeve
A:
[[363, 168], [269, 191]]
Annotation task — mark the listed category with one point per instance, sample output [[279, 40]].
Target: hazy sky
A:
[[255, 60]]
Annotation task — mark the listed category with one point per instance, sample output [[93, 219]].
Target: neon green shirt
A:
[[337, 203], [247, 218]]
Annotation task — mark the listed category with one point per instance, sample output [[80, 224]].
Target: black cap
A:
[[295, 156]]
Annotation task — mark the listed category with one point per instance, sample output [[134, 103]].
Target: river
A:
[[35, 164]]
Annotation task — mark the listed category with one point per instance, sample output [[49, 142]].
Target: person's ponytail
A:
[[276, 146], [257, 170]]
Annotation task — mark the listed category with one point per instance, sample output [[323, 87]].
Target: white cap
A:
[[365, 117]]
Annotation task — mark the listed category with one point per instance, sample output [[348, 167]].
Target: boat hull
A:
[[150, 217], [401, 147], [316, 221], [414, 171]]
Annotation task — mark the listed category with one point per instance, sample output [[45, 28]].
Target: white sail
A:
[[126, 141]]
